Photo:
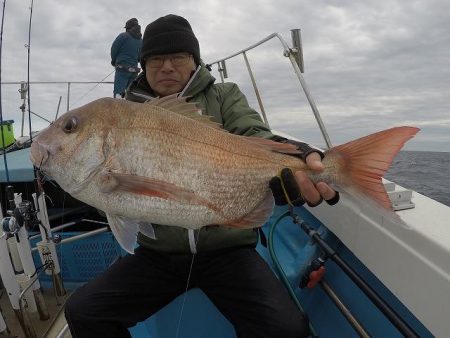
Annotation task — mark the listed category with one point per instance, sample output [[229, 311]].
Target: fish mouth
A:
[[39, 154]]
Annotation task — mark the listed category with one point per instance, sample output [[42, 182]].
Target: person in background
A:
[[219, 260], [125, 56]]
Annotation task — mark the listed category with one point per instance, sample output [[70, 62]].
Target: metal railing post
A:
[[220, 70], [255, 87], [297, 49], [288, 52], [223, 70], [23, 96], [68, 96], [310, 99]]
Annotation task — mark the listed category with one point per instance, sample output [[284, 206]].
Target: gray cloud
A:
[[370, 65]]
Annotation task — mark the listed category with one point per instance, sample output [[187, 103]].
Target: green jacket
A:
[[228, 106]]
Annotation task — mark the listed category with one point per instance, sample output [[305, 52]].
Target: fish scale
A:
[[209, 181], [209, 173]]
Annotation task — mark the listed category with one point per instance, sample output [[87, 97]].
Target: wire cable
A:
[[95, 86]]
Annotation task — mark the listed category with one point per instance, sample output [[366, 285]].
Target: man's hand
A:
[[314, 194], [297, 188]]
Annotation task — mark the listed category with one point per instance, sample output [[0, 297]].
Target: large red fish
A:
[[162, 162]]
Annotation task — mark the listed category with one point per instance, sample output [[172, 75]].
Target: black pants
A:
[[238, 282]]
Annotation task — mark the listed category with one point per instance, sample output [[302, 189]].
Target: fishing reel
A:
[[23, 215], [23, 212], [10, 226], [28, 214]]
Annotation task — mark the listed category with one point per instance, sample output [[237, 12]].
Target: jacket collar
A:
[[200, 79]]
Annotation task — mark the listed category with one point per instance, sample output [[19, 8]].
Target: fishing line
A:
[[41, 117], [61, 233], [187, 286], [90, 90]]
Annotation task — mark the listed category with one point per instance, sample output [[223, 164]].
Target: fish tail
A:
[[364, 161]]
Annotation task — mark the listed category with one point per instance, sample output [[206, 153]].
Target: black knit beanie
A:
[[169, 34], [131, 23]]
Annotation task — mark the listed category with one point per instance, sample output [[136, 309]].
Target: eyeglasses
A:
[[178, 59]]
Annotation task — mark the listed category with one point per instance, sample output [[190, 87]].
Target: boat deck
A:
[[47, 328]]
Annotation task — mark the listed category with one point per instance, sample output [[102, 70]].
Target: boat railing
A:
[[294, 53], [295, 56], [24, 90], [76, 237]]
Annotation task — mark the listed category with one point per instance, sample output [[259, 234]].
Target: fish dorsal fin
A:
[[180, 106]]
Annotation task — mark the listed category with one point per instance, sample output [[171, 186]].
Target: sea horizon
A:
[[426, 172]]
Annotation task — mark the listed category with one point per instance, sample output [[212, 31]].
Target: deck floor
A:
[[41, 328]]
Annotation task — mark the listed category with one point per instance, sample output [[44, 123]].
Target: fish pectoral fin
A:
[[147, 229], [257, 217], [150, 187], [124, 230]]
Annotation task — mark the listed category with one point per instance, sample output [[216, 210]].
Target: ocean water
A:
[[428, 173]]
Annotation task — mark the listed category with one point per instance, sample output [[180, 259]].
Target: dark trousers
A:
[[238, 282], [122, 79]]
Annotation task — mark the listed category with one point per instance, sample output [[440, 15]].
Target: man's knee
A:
[[76, 305], [298, 329], [293, 327]]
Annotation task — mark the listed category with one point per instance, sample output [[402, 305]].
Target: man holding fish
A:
[[220, 260]]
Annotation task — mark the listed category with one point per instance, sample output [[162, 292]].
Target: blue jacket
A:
[[125, 50]]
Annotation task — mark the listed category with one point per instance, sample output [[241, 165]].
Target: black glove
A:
[[284, 187], [285, 190], [305, 148]]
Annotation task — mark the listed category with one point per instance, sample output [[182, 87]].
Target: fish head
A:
[[72, 149]]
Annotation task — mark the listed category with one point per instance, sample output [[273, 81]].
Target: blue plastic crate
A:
[[82, 260]]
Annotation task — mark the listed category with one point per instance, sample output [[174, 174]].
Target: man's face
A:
[[169, 73]]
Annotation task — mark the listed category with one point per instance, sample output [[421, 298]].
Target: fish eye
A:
[[70, 125]]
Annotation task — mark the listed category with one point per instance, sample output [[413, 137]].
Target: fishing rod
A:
[[329, 253], [47, 250], [28, 47], [21, 215], [1, 110], [3, 326], [401, 325], [7, 273]]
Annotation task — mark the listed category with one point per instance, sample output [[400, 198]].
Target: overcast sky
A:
[[370, 65]]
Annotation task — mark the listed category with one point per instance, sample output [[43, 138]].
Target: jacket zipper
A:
[[191, 232]]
